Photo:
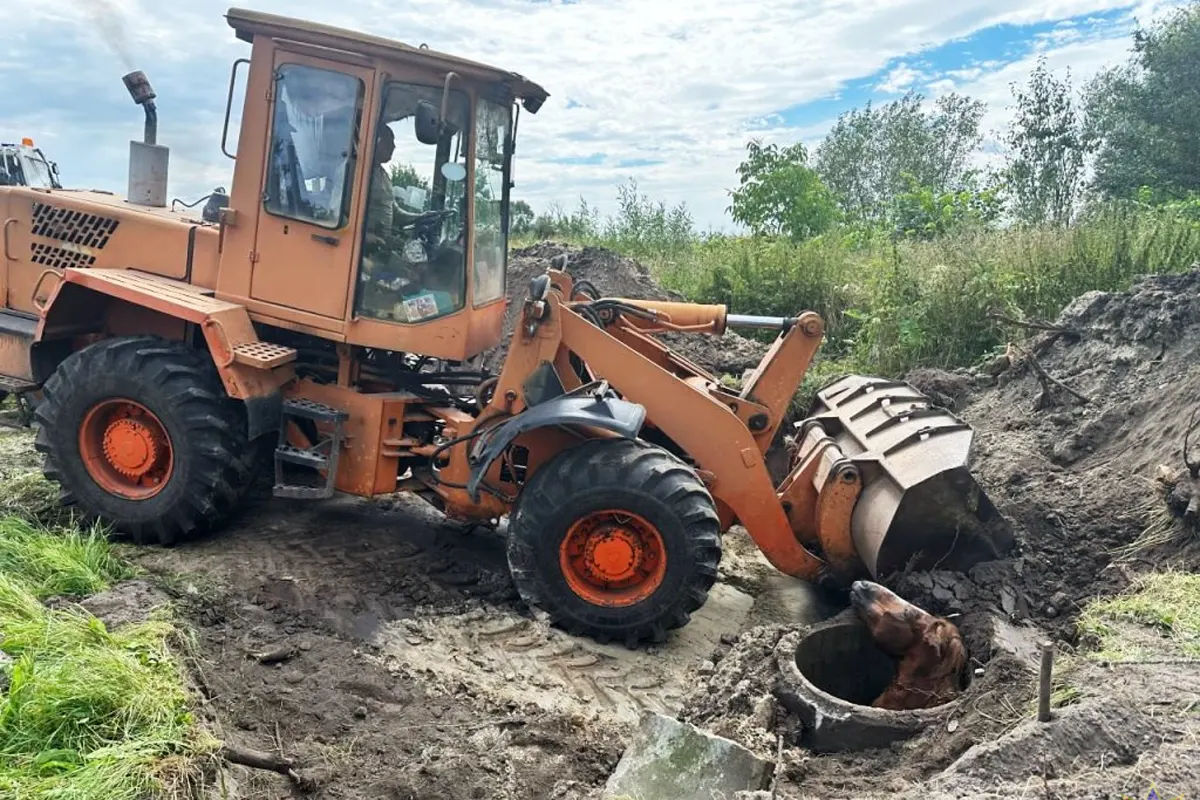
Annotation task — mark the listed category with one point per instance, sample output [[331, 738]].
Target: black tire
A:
[[206, 430], [635, 477]]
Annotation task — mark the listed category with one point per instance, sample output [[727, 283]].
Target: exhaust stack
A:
[[148, 160]]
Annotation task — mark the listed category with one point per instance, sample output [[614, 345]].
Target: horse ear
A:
[[937, 634]]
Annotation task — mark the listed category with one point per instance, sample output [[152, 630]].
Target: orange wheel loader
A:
[[330, 316]]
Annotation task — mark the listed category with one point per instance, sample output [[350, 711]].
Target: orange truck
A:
[[331, 315]]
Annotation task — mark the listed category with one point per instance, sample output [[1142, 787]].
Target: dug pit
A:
[[829, 677]]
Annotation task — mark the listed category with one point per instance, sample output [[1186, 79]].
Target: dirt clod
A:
[[129, 602]]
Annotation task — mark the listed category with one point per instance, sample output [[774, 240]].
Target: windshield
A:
[[414, 263], [37, 172], [492, 150]]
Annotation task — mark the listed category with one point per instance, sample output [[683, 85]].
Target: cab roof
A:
[[248, 24]]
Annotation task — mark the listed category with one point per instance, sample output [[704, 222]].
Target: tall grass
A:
[[69, 562], [894, 304], [84, 712]]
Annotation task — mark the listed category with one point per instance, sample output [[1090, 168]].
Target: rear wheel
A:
[[615, 539], [140, 435]]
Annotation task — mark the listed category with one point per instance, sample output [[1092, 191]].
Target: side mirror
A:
[[427, 123]]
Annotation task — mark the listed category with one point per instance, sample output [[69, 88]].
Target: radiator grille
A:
[[76, 227], [58, 258]]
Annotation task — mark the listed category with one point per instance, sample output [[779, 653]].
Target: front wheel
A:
[[140, 435], [615, 539]]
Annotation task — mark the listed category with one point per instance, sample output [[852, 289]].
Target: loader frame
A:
[[724, 434], [173, 352]]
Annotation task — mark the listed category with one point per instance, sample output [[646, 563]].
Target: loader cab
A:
[[26, 165], [371, 191]]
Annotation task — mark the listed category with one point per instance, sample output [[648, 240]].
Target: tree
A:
[[1044, 169], [1144, 116], [406, 175], [870, 155], [521, 218], [779, 193], [923, 213]]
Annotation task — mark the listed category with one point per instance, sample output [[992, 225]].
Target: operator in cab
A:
[[411, 269]]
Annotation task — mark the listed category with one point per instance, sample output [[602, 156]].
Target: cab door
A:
[[316, 153]]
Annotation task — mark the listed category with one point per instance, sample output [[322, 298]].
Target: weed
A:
[[892, 304], [24, 491], [1161, 527]]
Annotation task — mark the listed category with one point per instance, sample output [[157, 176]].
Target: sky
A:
[[666, 92]]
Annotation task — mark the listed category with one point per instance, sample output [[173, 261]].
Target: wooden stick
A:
[[275, 655], [258, 759], [1047, 378], [1035, 325], [1045, 683]]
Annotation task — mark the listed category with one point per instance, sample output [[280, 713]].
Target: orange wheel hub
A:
[[125, 449], [613, 558]]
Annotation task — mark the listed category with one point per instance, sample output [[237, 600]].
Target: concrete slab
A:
[[668, 760]]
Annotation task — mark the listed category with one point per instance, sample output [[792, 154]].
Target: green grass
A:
[[24, 492], [84, 712], [67, 562], [1159, 617]]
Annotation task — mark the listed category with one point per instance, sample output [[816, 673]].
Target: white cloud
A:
[[680, 82], [899, 79]]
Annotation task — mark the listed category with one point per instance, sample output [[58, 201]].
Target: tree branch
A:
[[1047, 380], [1035, 325]]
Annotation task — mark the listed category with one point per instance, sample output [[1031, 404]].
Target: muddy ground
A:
[[402, 664]]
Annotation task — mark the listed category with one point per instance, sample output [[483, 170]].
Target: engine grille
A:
[[76, 227], [59, 258]]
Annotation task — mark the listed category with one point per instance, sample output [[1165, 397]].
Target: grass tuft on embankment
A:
[[84, 712], [1159, 616], [68, 562]]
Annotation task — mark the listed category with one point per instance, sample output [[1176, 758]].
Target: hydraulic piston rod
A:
[[759, 323]]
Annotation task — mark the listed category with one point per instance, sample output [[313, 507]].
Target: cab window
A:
[[413, 264], [312, 150], [492, 131]]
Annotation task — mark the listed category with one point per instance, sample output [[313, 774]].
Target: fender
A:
[[592, 406], [251, 370]]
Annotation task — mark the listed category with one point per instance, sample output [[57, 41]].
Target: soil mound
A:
[[1070, 434], [616, 276], [1072, 427]]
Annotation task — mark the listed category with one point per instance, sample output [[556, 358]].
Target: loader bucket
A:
[[920, 507]]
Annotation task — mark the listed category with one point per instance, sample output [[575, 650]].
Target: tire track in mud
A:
[[347, 563], [520, 661], [441, 606]]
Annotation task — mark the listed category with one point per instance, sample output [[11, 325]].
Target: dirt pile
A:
[[1070, 433], [616, 276]]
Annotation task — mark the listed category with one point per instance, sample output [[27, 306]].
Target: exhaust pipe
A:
[[148, 160]]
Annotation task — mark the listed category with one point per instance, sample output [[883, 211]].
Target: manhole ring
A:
[[843, 672]]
